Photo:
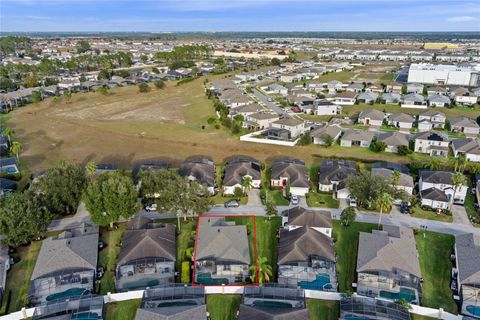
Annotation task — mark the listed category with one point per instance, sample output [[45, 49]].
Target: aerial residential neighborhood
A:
[[239, 160]]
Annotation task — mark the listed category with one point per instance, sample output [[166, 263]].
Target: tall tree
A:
[[22, 219], [16, 148], [90, 169], [367, 188], [111, 196], [270, 209], [459, 180], [264, 270], [347, 216], [383, 202], [458, 163], [247, 183], [60, 189], [8, 132], [433, 164]]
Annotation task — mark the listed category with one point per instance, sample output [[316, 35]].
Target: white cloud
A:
[[461, 19]]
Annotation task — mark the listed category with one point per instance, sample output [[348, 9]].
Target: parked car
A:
[[352, 202], [404, 208], [232, 204], [294, 199], [152, 207]]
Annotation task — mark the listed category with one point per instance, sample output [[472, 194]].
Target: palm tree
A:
[[459, 180], [458, 163], [16, 148], [396, 177], [433, 164], [384, 202], [90, 168], [264, 270], [247, 183], [474, 168], [8, 132]]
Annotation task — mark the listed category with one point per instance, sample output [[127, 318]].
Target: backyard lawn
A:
[[18, 277], [124, 310], [323, 309], [434, 255], [185, 239], [321, 200], [107, 257], [431, 215], [346, 247], [472, 213], [223, 307]]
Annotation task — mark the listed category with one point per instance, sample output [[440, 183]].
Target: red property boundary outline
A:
[[254, 248]]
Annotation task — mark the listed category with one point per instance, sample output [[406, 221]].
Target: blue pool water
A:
[[70, 293], [11, 170], [141, 284], [404, 294], [351, 317], [271, 304], [206, 278], [475, 310], [322, 282], [177, 303], [86, 316]]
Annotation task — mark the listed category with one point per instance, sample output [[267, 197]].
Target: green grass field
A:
[[125, 310], [223, 307], [418, 212], [107, 257], [434, 251], [321, 200], [323, 309], [346, 247]]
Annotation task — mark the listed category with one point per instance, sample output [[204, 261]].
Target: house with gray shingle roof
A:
[[467, 260], [438, 100], [147, 256], [202, 170], [367, 97], [467, 147], [401, 120], [291, 173], [465, 125], [236, 169], [295, 126], [222, 252], [414, 100], [387, 265], [393, 140], [404, 183], [319, 134], [391, 98], [332, 176], [371, 117], [357, 138], [66, 265], [431, 119], [432, 183], [433, 143]]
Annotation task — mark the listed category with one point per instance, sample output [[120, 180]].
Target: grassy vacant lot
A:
[[323, 309], [343, 76], [346, 247], [107, 257], [431, 215], [124, 310], [223, 307], [434, 251], [321, 200], [18, 278]]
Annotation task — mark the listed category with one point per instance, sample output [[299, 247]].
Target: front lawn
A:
[[418, 212], [323, 309], [434, 251], [107, 257], [18, 278], [321, 200], [125, 310], [219, 199], [346, 247], [274, 195], [223, 307]]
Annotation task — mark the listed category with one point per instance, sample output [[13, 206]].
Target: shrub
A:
[[143, 87], [159, 84], [404, 150], [185, 277], [378, 146], [211, 120], [189, 252]]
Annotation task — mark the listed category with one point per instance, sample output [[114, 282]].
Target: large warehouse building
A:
[[456, 75]]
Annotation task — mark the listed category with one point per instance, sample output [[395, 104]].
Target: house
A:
[[401, 120], [357, 307], [367, 97], [202, 170], [66, 265], [374, 88], [260, 120], [222, 252], [431, 119], [391, 98], [464, 97], [236, 169], [277, 134], [393, 140], [319, 135], [4, 266], [438, 100], [433, 143], [415, 88], [436, 91], [325, 107], [371, 117], [7, 186], [405, 181], [276, 89], [438, 191], [357, 138], [246, 110], [395, 87], [334, 86], [467, 147], [387, 265], [81, 307], [355, 87], [145, 165], [291, 174], [345, 98], [174, 302], [332, 176], [413, 100], [464, 125], [4, 145], [306, 258], [9, 165], [467, 272], [147, 256], [295, 126]]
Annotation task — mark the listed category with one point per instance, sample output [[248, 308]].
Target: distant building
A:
[[444, 74]]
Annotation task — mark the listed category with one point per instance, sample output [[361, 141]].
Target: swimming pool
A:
[[86, 316], [271, 304], [70, 293], [404, 294], [474, 310], [322, 282], [177, 303], [141, 284], [11, 170], [352, 317], [206, 278]]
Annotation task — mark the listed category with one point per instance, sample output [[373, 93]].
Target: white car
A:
[[352, 202], [294, 200], [152, 207]]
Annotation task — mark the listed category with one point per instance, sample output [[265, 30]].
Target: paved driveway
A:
[[254, 197], [460, 215]]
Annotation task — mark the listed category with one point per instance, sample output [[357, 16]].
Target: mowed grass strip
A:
[[223, 307], [125, 310], [323, 309], [107, 257], [346, 247], [434, 251]]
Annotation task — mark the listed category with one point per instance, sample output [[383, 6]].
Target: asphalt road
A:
[[264, 100]]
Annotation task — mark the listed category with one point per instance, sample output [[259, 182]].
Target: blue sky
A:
[[239, 15]]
